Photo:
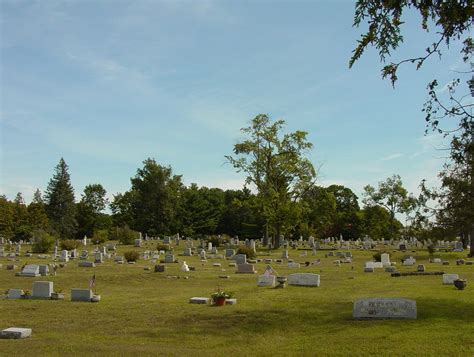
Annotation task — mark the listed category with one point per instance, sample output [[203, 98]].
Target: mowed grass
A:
[[146, 313]]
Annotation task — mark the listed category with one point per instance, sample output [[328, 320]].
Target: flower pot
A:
[[460, 284], [220, 301]]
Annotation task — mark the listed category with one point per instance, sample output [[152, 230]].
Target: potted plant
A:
[[219, 297], [26, 294], [460, 284]]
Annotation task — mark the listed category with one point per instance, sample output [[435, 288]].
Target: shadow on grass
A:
[[335, 317]]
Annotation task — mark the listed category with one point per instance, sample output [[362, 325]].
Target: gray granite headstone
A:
[[384, 308]]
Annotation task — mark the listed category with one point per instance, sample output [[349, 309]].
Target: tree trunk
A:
[[471, 251], [265, 236]]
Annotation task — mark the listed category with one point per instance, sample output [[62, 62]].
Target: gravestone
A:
[[245, 269], [304, 279], [98, 258], [64, 256], [402, 247], [240, 259], [409, 261], [42, 289], [160, 268], [15, 294], [81, 295], [448, 279], [384, 308], [85, 264], [84, 255], [138, 243], [30, 270], [199, 300], [368, 270], [187, 252], [420, 268], [169, 258], [293, 265], [229, 253], [209, 246], [266, 280], [43, 270], [458, 247], [385, 259], [285, 254], [184, 267], [15, 333], [203, 254]]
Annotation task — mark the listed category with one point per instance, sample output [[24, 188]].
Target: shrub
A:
[[125, 235], [43, 242], [431, 249], [131, 256], [69, 244], [165, 247], [100, 236], [246, 250]]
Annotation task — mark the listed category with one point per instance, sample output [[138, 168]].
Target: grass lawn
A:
[[146, 313]]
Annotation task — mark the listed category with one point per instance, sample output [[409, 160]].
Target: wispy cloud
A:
[[392, 157]]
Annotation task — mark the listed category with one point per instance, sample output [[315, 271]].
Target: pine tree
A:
[[37, 218], [60, 205]]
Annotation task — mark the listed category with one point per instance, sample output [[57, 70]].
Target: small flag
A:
[[92, 282]]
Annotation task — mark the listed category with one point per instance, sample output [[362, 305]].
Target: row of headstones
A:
[[45, 290]]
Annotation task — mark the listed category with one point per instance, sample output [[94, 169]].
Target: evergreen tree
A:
[[60, 205], [37, 217]]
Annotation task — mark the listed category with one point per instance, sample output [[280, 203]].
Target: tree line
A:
[[280, 198]]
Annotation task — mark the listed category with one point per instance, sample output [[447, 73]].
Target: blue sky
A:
[[107, 84]]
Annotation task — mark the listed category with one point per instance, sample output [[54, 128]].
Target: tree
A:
[[320, 210], [6, 218], [377, 222], [276, 166], [152, 204], [60, 205], [392, 196], [453, 21], [89, 210], [37, 217]]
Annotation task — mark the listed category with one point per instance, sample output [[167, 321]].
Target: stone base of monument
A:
[[384, 309], [199, 300]]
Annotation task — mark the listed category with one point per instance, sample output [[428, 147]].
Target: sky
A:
[[108, 84]]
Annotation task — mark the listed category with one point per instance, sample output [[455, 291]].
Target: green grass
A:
[[145, 313]]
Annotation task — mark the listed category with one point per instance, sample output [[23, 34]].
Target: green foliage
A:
[[89, 210], [165, 247], [131, 256], [69, 244], [276, 166], [60, 205], [124, 235], [100, 236], [431, 249], [392, 196], [43, 242], [243, 249], [221, 294]]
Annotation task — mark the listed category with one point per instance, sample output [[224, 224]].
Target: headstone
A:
[[199, 300], [169, 258], [384, 308], [64, 256], [368, 270], [81, 295], [458, 247], [409, 261], [15, 294], [245, 269], [293, 265], [42, 289], [420, 268], [209, 246], [402, 247], [187, 252], [84, 255], [184, 267], [240, 259], [266, 280], [160, 268], [99, 258], [304, 279], [85, 264], [138, 242], [43, 270], [448, 279], [385, 259], [203, 254], [30, 270], [15, 333], [285, 254]]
